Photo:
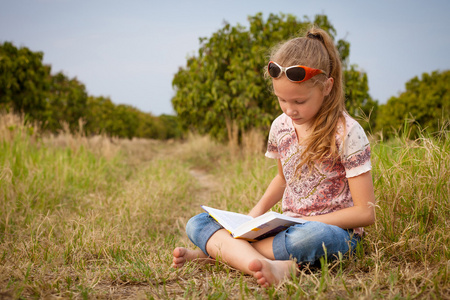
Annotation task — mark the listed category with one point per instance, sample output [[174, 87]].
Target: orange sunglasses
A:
[[293, 73]]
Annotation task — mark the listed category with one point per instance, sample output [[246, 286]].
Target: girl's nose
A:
[[291, 111]]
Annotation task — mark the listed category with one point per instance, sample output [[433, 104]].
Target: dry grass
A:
[[95, 217]]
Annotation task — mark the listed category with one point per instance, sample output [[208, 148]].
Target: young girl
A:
[[323, 171]]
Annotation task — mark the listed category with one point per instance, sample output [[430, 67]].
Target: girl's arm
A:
[[273, 194], [362, 213]]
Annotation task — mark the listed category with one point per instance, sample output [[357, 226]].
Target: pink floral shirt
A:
[[326, 189]]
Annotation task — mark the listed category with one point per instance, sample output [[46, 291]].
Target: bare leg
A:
[[182, 255], [249, 259], [265, 247]]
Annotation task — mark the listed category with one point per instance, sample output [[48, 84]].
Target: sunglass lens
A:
[[296, 74], [274, 70]]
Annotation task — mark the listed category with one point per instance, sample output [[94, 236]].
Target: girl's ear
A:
[[328, 86]]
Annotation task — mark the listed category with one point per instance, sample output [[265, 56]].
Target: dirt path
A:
[[207, 183]]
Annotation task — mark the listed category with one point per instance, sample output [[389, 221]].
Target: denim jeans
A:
[[303, 242]]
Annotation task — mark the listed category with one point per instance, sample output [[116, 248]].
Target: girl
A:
[[323, 171]]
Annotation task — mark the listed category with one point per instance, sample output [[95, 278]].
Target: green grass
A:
[[98, 218]]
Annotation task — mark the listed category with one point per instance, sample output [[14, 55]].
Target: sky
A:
[[129, 50]]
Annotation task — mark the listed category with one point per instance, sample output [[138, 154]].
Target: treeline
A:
[[28, 87], [221, 91]]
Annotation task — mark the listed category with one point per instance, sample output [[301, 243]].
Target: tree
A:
[[66, 102], [27, 86], [166, 127], [224, 86], [98, 116], [426, 102], [103, 116], [24, 81], [358, 102]]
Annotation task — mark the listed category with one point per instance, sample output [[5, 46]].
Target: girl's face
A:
[[300, 101]]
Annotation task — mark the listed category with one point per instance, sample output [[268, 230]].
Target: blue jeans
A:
[[303, 242]]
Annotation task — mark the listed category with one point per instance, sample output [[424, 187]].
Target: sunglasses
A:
[[293, 73]]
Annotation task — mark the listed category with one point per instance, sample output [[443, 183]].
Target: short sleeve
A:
[[272, 146], [356, 151]]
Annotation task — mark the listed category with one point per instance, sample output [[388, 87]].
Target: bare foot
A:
[[268, 272], [182, 255]]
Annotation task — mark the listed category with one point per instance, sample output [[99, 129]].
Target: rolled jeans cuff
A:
[[279, 247], [200, 228]]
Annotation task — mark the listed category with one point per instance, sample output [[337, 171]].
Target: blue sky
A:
[[130, 50]]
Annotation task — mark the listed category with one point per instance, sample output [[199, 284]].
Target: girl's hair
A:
[[317, 50]]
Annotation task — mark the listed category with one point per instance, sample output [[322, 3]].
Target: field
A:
[[99, 217]]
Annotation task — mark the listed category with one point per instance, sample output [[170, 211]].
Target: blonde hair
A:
[[317, 50]]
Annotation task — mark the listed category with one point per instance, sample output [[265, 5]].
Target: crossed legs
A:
[[255, 259], [306, 242]]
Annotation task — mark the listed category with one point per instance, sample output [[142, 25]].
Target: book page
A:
[[229, 220]]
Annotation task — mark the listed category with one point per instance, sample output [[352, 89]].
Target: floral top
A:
[[325, 189]]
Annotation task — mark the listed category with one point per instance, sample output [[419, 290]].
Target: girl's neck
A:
[[302, 131]]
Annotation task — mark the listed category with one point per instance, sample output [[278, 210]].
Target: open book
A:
[[252, 229]]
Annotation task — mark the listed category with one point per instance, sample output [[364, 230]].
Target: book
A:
[[252, 229]]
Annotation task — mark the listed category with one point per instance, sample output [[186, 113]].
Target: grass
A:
[[99, 217]]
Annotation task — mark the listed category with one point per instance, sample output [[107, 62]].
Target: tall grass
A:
[[73, 220], [95, 217], [410, 240]]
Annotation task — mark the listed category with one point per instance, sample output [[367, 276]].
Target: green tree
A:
[[66, 102], [425, 103], [26, 86], [148, 127], [168, 127], [103, 116], [24, 81], [98, 115], [358, 101], [224, 86], [126, 121]]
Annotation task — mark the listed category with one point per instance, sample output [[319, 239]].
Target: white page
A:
[[231, 220]]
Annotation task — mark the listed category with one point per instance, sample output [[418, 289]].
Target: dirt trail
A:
[[207, 183]]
